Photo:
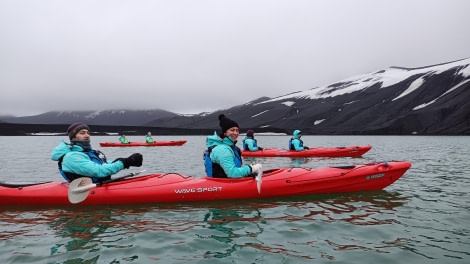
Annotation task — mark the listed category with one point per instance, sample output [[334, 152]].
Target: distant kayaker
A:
[[249, 141], [148, 138], [223, 157], [295, 143], [77, 158], [123, 139]]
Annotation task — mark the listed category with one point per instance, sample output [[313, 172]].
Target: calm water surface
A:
[[424, 217]]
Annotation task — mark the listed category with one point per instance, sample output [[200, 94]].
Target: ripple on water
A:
[[421, 218]]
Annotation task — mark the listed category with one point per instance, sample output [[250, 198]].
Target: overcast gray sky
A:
[[192, 56]]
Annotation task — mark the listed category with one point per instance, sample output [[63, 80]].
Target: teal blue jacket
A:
[[250, 144], [295, 143], [149, 139], [223, 155], [76, 161]]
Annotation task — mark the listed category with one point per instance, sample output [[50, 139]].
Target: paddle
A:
[[259, 180], [80, 188]]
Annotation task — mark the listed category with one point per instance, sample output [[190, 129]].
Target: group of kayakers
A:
[[251, 144], [123, 139], [222, 159]]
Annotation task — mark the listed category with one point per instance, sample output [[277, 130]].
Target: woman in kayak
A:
[[295, 143], [223, 157], [123, 139], [249, 142], [77, 159], [148, 138]]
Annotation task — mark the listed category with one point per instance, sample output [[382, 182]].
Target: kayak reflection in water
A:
[[223, 158], [249, 141], [295, 143], [77, 159]]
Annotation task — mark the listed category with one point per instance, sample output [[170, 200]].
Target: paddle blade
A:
[[79, 189], [259, 181]]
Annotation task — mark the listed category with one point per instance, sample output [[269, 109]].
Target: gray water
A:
[[424, 217]]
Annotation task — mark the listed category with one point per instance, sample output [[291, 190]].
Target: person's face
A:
[[83, 134], [232, 132]]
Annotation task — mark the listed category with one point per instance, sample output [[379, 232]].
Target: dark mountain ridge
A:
[[431, 100], [105, 117]]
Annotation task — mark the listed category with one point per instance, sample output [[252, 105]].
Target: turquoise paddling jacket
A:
[[223, 154], [78, 162]]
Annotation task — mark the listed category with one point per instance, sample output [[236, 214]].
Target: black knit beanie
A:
[[226, 123], [75, 128]]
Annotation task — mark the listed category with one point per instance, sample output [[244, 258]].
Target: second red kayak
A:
[[354, 151], [144, 144]]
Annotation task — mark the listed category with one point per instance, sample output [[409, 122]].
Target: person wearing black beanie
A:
[[77, 158], [226, 124], [224, 156]]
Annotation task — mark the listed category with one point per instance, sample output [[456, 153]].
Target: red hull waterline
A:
[[354, 151], [144, 144], [173, 187]]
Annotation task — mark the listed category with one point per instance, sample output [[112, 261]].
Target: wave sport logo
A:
[[199, 190], [375, 176]]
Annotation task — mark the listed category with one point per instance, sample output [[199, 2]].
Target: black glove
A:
[[306, 148], [133, 160], [260, 148]]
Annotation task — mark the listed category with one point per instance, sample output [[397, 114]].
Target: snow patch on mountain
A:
[[351, 102], [288, 103], [93, 115], [260, 113], [448, 91], [318, 121], [413, 86], [465, 71]]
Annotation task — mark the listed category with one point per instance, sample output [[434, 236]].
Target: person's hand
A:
[[133, 160], [256, 168], [306, 148]]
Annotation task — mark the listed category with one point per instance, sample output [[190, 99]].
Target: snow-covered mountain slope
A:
[[426, 100]]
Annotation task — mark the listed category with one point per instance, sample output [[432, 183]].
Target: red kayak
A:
[[174, 187], [144, 144], [354, 151]]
